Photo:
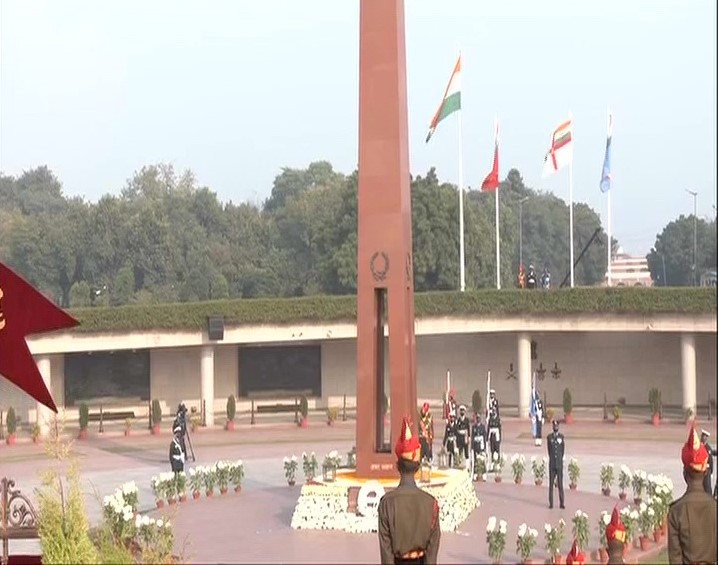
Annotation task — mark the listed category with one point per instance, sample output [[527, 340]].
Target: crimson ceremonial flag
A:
[[491, 182], [25, 311]]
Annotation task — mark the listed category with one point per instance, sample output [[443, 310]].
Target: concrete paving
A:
[[253, 526]]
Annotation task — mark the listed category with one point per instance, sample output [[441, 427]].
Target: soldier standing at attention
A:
[[556, 448], [692, 518], [463, 433], [450, 440], [426, 433], [177, 454], [711, 454], [409, 529], [615, 539], [494, 424]]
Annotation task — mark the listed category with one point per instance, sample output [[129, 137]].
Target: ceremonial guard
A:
[[494, 423], [546, 279], [426, 433], [177, 453], [522, 276], [409, 529], [575, 557], [556, 448], [478, 436], [536, 412], [692, 518], [449, 442], [181, 423], [711, 454], [615, 539], [531, 277], [463, 435], [450, 407]]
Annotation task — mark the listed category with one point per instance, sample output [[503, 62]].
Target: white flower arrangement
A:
[[603, 520], [638, 482], [209, 478], [163, 485], [574, 471], [118, 514], [309, 466], [518, 466], [290, 468], [481, 466], [196, 479], [499, 463], [646, 519], [538, 468], [496, 538], [525, 541], [236, 473], [629, 517], [553, 537], [607, 477], [580, 529], [180, 484], [624, 478], [221, 471], [332, 459]]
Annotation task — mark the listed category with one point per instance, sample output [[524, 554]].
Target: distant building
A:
[[629, 271], [709, 278]]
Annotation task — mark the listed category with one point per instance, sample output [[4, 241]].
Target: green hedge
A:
[[193, 316]]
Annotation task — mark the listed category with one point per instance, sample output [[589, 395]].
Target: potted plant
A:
[[11, 422], [567, 406], [231, 412], [654, 401], [525, 542], [518, 466], [84, 417], [290, 469], [304, 411], [209, 476], [196, 482], [603, 521], [624, 481], [329, 466], [309, 466], [181, 485], [156, 417], [580, 529], [645, 525], [638, 482], [332, 415], [128, 426], [553, 537], [158, 490], [222, 470], [606, 478], [236, 475], [499, 463], [351, 458], [538, 468], [480, 468], [574, 472], [35, 433], [496, 538], [616, 413]]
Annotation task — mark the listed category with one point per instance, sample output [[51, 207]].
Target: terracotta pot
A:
[[637, 500], [606, 491], [538, 482], [81, 435], [657, 536], [303, 422], [156, 430], [622, 495], [664, 527], [655, 420], [160, 503], [568, 418], [572, 486], [171, 501], [183, 498], [209, 493], [223, 490], [292, 483], [517, 481], [644, 543], [230, 426], [237, 488], [196, 494], [557, 559], [497, 478], [602, 555]]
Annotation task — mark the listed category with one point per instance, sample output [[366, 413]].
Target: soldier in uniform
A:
[[181, 423], [537, 417], [692, 518], [522, 276], [711, 454], [463, 435], [177, 453], [531, 277], [449, 442], [478, 436], [409, 529], [450, 406], [494, 424], [615, 539], [575, 557], [546, 279], [426, 433], [556, 448]]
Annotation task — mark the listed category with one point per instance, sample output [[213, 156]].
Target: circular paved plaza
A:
[[253, 526]]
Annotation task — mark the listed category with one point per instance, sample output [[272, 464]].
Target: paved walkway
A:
[[254, 525]]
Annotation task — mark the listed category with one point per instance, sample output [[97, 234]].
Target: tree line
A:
[[166, 238]]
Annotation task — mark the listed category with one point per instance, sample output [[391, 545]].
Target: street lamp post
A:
[[521, 230], [695, 234]]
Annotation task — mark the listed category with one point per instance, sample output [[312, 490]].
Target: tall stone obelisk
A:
[[385, 285]]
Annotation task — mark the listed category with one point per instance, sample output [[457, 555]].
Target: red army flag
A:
[[25, 311]]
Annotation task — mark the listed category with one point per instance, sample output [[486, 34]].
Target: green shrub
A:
[[654, 401], [11, 421], [476, 402], [109, 552], [63, 526], [303, 406], [567, 401], [231, 408], [156, 412], [84, 415]]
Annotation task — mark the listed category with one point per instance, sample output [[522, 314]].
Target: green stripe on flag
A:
[[450, 105]]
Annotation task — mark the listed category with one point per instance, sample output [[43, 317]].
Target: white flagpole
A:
[[496, 195], [462, 268], [570, 202], [608, 216]]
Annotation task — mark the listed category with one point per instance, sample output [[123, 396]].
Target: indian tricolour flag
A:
[[452, 99], [561, 152]]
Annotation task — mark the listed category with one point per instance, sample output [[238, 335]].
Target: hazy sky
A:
[[237, 89]]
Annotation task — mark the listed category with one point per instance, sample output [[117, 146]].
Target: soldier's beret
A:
[[694, 454], [575, 557], [615, 529], [407, 446]]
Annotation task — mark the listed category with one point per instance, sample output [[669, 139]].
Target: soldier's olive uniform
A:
[[692, 525]]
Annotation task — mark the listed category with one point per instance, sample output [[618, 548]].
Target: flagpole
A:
[[498, 247], [462, 268], [608, 217], [570, 204]]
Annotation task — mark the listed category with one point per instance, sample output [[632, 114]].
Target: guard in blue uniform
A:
[[556, 447], [494, 425], [177, 454]]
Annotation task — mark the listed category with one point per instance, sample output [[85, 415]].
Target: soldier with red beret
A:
[[615, 539], [409, 529], [692, 518], [575, 557]]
